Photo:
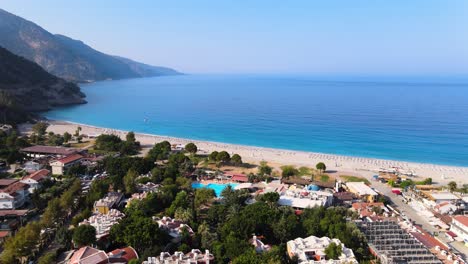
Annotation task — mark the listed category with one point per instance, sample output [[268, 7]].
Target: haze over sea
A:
[[410, 120]]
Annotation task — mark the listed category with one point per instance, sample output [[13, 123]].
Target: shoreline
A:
[[441, 174]]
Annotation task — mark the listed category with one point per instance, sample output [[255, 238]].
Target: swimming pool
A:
[[217, 187]]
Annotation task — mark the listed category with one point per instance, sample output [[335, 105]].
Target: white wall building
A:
[[193, 257], [301, 198], [35, 179], [362, 190], [14, 195], [312, 250], [460, 227], [59, 166], [173, 227], [103, 222]]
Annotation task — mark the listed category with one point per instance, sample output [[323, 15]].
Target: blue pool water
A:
[[411, 120], [217, 187]]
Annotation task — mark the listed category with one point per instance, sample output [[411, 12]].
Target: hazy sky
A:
[[333, 37]]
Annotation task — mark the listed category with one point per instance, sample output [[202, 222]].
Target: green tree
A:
[[160, 151], [270, 198], [66, 137], [130, 181], [288, 171], [223, 156], [130, 137], [264, 169], [139, 232], [191, 148], [181, 201], [333, 251], [23, 245], [184, 215], [63, 237], [213, 156], [203, 196], [40, 128], [84, 235], [236, 159], [53, 214], [77, 131], [321, 167], [206, 236], [452, 186], [48, 258]]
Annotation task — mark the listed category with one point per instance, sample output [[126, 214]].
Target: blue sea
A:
[[399, 119]]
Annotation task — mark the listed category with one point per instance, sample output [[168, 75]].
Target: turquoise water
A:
[[217, 187], [410, 120]]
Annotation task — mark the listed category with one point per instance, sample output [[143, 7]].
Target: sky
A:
[[373, 37]]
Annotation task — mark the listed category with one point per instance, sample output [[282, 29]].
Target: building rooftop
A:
[[360, 188], [122, 255], [240, 178], [312, 250], [173, 226], [392, 244], [462, 219], [443, 196], [6, 182], [70, 158], [111, 200], [88, 255], [195, 256], [51, 150], [37, 175], [15, 187], [103, 222], [4, 213]]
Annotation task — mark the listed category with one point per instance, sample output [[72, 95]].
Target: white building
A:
[[362, 190], [173, 227], [14, 195], [59, 166], [35, 179], [460, 227], [312, 250], [301, 198], [440, 197], [193, 257], [103, 222]]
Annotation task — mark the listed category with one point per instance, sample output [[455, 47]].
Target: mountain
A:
[[26, 87], [68, 58]]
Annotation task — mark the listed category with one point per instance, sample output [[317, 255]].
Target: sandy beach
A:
[[367, 167]]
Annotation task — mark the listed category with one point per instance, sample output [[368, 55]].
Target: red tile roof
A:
[[13, 212], [7, 182], [428, 240], [361, 206], [13, 188], [240, 178], [38, 175], [462, 219], [70, 158], [122, 255], [89, 255], [4, 234]]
